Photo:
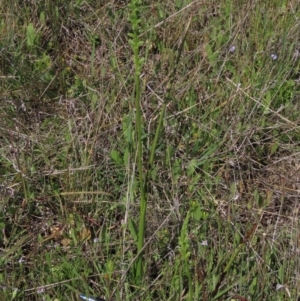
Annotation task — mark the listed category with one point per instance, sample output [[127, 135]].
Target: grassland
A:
[[149, 150]]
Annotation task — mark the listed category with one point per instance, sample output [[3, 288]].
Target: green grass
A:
[[149, 150]]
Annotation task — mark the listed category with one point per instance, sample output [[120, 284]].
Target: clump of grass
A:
[[186, 109]]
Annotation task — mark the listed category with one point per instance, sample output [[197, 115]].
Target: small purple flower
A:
[[21, 259], [274, 56], [232, 49]]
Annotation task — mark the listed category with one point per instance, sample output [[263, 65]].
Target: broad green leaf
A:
[[30, 35], [114, 154]]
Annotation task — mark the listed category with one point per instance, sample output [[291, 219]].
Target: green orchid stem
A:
[[143, 180], [135, 44]]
